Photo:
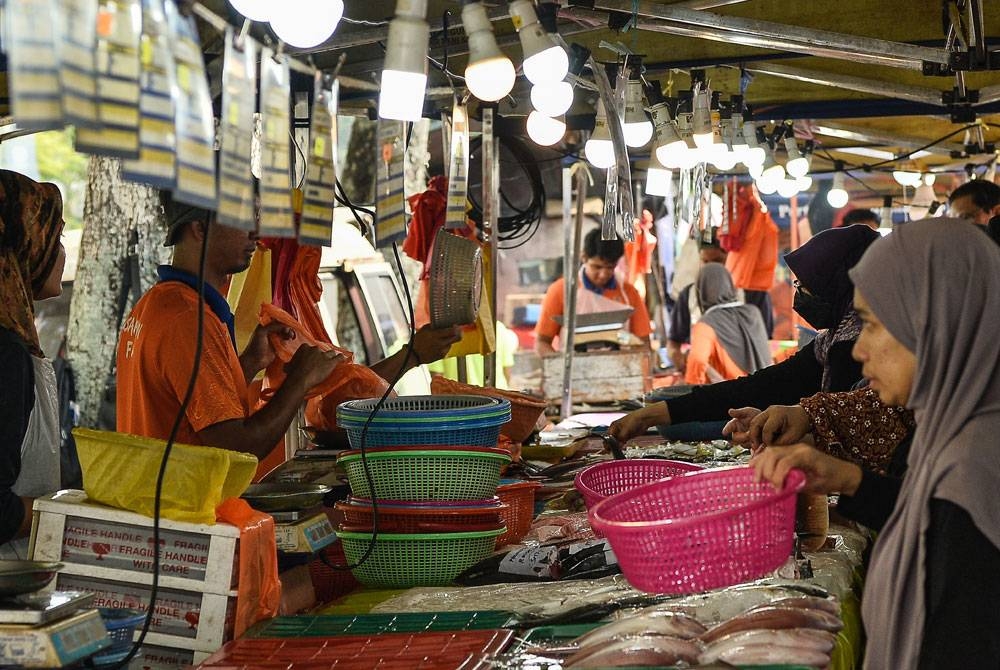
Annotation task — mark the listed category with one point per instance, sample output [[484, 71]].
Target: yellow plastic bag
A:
[[248, 290], [120, 470]]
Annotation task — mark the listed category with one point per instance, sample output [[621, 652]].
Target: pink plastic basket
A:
[[606, 479], [701, 531]]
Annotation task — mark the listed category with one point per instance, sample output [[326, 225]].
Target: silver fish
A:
[[656, 650], [653, 623], [805, 638], [761, 654], [774, 617], [808, 602], [716, 606]]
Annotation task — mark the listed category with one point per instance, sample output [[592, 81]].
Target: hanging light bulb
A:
[[255, 10], [766, 187], [772, 172], [545, 130], [755, 153], [668, 143], [906, 178], [788, 188], [636, 126], [837, 197], [804, 183], [489, 74], [796, 165], [929, 178], [404, 77], [306, 23], [599, 150], [659, 178], [552, 99], [544, 60], [701, 119]]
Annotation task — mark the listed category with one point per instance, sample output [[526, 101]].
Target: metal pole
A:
[[571, 255], [491, 206]]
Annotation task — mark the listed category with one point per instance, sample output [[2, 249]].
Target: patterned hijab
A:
[[935, 285], [31, 224]]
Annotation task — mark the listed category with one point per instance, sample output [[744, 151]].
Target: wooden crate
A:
[[599, 376]]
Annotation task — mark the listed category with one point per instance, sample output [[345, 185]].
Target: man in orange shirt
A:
[[597, 275]]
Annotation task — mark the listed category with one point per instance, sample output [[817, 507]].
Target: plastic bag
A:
[[259, 590], [582, 560]]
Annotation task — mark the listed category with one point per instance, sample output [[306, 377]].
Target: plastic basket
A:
[[373, 624], [120, 625], [422, 519], [444, 473], [602, 480], [418, 559], [408, 408], [524, 409], [422, 420], [330, 583], [700, 531], [519, 511], [120, 470], [455, 280]]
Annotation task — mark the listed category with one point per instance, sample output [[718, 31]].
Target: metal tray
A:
[[284, 496], [18, 577]]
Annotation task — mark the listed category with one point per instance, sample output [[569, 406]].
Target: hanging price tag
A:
[[32, 64], [276, 218], [76, 24], [116, 66], [458, 171], [390, 223], [193, 115], [239, 87], [316, 225], [158, 89]]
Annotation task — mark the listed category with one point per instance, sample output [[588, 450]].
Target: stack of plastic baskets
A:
[[434, 467], [120, 625]]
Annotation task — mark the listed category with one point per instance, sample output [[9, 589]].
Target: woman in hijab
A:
[[729, 340], [32, 258], [932, 587], [824, 364]]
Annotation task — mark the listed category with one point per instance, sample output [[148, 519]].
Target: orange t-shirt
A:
[[752, 265], [155, 358], [706, 350], [552, 305]]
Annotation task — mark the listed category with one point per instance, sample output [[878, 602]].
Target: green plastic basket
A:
[[416, 559], [372, 624], [438, 474]]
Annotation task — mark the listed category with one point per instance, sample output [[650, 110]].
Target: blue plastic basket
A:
[[421, 408], [426, 420], [120, 625]]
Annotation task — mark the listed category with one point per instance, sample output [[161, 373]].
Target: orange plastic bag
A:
[[259, 589]]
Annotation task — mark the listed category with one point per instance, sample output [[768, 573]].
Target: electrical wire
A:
[[158, 495], [518, 228], [364, 22], [902, 157]]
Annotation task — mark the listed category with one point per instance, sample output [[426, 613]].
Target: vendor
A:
[[597, 275], [156, 349], [32, 258]]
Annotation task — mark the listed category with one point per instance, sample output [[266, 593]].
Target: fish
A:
[[808, 602], [804, 638], [774, 617], [654, 650], [654, 623], [770, 654], [716, 606]]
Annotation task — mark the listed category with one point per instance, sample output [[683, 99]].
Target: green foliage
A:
[[59, 162]]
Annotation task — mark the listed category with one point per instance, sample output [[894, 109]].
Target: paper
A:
[[316, 226], [276, 218]]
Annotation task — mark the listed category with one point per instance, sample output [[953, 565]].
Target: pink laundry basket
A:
[[700, 531], [610, 477]]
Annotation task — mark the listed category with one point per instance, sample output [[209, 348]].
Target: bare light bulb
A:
[[489, 74], [306, 23], [636, 126], [701, 120], [599, 150], [544, 130], [255, 10], [553, 99], [788, 188], [796, 165], [837, 197], [545, 61], [658, 180], [906, 178], [404, 79]]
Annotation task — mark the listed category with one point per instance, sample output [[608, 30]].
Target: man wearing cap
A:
[[157, 348]]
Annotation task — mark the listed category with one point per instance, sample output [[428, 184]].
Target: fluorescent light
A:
[[866, 152]]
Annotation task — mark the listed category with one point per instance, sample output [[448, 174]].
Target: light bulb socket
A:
[[601, 130], [701, 117], [548, 13], [477, 26], [406, 46]]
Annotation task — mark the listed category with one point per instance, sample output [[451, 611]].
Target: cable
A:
[[364, 22], [518, 228], [158, 495], [867, 167]]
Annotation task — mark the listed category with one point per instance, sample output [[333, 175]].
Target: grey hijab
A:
[[739, 327], [935, 284]]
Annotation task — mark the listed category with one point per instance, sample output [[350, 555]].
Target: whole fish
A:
[[807, 602], [774, 617], [716, 606], [804, 638], [653, 623], [769, 654], [656, 650]]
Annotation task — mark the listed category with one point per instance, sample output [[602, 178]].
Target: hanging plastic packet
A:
[[33, 64], [239, 87], [390, 224], [589, 559], [276, 218], [193, 115], [316, 226], [458, 171], [116, 67], [156, 165], [77, 24]]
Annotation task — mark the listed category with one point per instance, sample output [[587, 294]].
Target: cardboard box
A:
[[53, 645]]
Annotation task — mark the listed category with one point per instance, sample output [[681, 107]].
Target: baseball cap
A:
[[178, 215]]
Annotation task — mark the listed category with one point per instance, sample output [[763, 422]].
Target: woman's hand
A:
[[639, 421], [431, 344], [824, 473], [779, 424], [738, 427]]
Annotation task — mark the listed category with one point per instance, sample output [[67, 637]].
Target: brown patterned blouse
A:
[[857, 427]]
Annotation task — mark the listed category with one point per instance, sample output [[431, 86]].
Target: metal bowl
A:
[[284, 496], [17, 577]]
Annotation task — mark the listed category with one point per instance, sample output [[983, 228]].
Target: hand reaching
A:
[[779, 424], [824, 473], [738, 427], [311, 365], [431, 344]]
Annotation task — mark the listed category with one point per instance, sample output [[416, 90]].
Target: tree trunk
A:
[[113, 208], [358, 174]]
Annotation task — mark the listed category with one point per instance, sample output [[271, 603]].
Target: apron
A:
[[589, 302], [40, 450]]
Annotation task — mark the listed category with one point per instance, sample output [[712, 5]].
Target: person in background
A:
[[686, 310], [597, 274], [156, 348], [729, 339], [865, 216], [752, 243], [32, 259], [475, 363], [932, 586], [977, 201], [824, 298]]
